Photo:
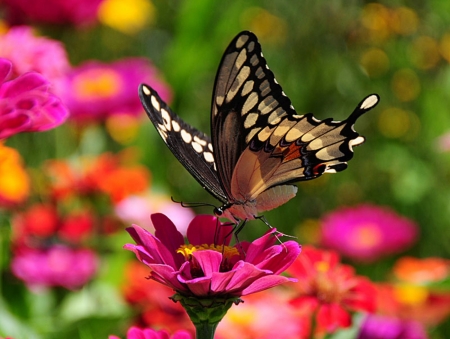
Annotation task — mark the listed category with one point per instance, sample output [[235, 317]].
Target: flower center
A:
[[367, 236], [411, 294], [227, 252], [96, 83]]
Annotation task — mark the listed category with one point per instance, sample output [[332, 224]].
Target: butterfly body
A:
[[259, 145]]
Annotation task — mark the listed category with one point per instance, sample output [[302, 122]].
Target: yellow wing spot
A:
[[267, 105], [264, 88], [146, 90], [250, 120], [238, 81], [200, 141], [248, 87], [259, 73], [197, 147], [219, 100], [208, 156], [251, 46], [166, 119], [155, 102], [241, 58], [186, 136], [330, 152], [210, 147], [265, 133], [251, 101], [281, 131], [176, 126], [275, 116], [369, 102], [254, 60], [355, 142], [241, 41], [251, 134]]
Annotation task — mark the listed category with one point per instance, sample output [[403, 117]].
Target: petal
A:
[[166, 275], [5, 69], [280, 257], [265, 283], [24, 83], [209, 261], [332, 316], [148, 244], [202, 230], [166, 231], [255, 251]]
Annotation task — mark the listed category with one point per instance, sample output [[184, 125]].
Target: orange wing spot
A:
[[291, 152]]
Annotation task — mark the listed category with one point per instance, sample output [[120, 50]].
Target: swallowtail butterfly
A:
[[259, 145]]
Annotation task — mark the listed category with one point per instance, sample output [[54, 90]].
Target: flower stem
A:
[[205, 330]]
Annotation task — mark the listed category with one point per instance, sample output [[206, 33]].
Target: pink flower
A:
[[367, 232], [136, 333], [56, 266], [96, 90], [28, 52], [52, 11], [26, 105], [208, 266], [383, 327], [265, 315]]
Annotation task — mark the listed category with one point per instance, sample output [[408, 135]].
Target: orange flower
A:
[[421, 271], [124, 181], [14, 180]]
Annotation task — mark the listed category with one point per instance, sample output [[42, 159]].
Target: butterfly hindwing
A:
[[190, 146]]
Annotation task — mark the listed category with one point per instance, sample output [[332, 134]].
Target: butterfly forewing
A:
[[191, 147], [246, 100]]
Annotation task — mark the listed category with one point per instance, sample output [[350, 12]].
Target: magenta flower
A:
[[137, 333], [94, 90], [26, 104], [76, 12], [383, 327], [28, 52], [208, 266], [367, 232], [56, 266]]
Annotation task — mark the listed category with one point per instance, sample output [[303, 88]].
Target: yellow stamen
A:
[[97, 83], [227, 251]]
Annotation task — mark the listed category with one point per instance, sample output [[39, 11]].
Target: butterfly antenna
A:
[[192, 204]]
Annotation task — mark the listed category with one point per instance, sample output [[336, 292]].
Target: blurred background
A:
[[327, 56]]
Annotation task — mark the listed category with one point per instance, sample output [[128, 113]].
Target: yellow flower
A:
[[128, 17]]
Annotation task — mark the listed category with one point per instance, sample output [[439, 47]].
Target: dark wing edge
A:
[[191, 147]]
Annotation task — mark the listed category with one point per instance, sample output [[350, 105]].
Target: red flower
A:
[[208, 266], [329, 289], [137, 333]]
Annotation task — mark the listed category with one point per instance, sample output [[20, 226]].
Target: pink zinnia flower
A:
[[137, 333], [52, 11], [367, 232], [28, 52], [95, 90], [328, 290], [56, 266], [26, 105], [383, 327], [208, 266]]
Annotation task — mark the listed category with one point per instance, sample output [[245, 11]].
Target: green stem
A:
[[205, 330]]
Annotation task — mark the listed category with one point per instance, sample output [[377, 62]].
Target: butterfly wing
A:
[[190, 146], [246, 100], [299, 148], [259, 140]]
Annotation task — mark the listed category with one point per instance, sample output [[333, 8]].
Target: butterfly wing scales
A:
[[190, 146]]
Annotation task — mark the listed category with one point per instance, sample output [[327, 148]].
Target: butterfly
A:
[[259, 145]]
